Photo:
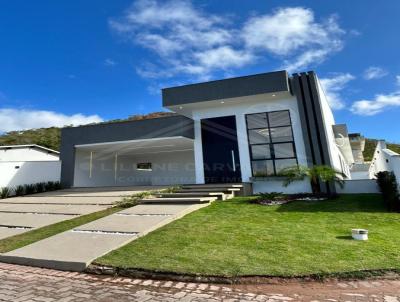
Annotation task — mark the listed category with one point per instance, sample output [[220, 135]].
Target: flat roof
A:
[[277, 81]]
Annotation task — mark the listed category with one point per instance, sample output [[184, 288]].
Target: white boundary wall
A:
[[28, 172], [358, 186]]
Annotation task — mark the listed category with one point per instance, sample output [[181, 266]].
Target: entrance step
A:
[[211, 190], [197, 186], [219, 195], [176, 200]]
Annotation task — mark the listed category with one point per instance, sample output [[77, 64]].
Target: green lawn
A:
[[17, 241], [235, 238]]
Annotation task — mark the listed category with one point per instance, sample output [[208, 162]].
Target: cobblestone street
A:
[[19, 283]]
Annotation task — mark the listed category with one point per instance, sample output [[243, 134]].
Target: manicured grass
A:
[[236, 238], [17, 241]]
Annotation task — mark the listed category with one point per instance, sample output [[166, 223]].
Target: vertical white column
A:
[[244, 155], [198, 153]]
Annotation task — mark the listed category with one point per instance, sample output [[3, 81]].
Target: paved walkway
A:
[[22, 214], [22, 284], [75, 249]]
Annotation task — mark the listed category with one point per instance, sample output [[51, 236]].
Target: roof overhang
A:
[[188, 97], [140, 146]]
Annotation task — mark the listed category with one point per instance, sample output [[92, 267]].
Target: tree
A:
[[315, 174]]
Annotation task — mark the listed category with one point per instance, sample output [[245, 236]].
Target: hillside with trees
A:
[[51, 137]]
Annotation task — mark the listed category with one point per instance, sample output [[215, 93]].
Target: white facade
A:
[[239, 107], [29, 164], [385, 160]]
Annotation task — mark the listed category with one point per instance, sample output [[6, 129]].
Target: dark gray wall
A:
[[120, 131], [304, 87], [228, 88]]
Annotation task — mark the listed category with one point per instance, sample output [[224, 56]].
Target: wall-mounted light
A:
[[222, 102], [180, 107], [273, 94]]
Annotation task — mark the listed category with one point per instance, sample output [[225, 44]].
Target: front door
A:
[[220, 150]]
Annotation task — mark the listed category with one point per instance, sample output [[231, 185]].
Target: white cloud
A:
[[333, 86], [20, 119], [109, 62], [189, 41], [374, 72], [398, 80], [377, 105]]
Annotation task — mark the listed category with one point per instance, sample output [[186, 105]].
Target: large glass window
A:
[[271, 142]]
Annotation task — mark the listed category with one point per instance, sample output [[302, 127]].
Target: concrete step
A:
[[183, 200], [196, 186], [219, 195], [210, 190]]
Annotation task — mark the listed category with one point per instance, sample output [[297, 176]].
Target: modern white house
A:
[[28, 164], [244, 129]]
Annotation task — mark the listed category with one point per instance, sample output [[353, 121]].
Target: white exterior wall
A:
[[357, 186], [335, 155], [385, 160], [168, 168], [26, 154], [239, 108], [29, 172]]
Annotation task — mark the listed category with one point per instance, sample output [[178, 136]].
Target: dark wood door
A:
[[220, 150]]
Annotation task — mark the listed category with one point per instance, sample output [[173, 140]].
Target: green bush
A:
[[388, 186], [57, 185], [30, 189], [19, 190], [5, 192], [40, 187]]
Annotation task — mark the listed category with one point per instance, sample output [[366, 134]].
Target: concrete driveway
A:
[[22, 214]]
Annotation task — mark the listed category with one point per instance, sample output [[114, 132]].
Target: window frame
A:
[[271, 143]]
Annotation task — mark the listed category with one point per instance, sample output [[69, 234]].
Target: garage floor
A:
[[22, 214]]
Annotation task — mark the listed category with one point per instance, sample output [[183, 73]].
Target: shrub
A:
[[40, 187], [30, 189], [388, 186], [130, 201], [57, 185], [5, 192], [19, 190], [49, 186], [272, 196]]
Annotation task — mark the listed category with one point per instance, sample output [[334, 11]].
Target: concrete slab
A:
[[66, 251], [86, 200], [118, 223], [31, 220], [156, 209], [8, 232], [51, 208], [102, 191], [74, 250]]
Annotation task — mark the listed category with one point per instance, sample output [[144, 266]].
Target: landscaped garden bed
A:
[[241, 238]]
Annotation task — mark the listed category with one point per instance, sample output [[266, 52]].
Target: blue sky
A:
[[73, 62]]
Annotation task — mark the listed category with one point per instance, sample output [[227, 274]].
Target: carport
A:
[[140, 162]]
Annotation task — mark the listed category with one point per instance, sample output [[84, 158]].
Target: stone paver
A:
[[67, 251], [7, 232], [38, 210], [31, 220], [123, 223], [51, 208], [19, 283]]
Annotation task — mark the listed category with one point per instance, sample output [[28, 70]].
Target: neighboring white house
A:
[[28, 164], [385, 160]]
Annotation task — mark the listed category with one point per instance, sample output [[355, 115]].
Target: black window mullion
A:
[[271, 147]]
